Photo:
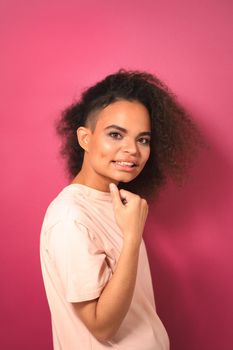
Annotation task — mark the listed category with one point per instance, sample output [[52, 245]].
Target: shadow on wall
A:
[[188, 243]]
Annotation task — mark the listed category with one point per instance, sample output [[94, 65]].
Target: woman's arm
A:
[[103, 316]]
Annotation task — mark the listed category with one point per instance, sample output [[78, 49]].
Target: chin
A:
[[125, 178]]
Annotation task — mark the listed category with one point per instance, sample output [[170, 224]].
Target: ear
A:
[[83, 135]]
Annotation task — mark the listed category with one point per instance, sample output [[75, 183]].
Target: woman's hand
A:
[[130, 213], [101, 316]]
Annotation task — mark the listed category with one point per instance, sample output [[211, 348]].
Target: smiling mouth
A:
[[124, 164]]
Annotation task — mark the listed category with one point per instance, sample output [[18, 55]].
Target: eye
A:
[[115, 135], [144, 140]]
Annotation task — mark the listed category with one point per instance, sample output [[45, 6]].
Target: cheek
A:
[[146, 154], [103, 149]]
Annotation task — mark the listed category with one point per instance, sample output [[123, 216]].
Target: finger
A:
[[115, 194], [124, 195], [127, 195]]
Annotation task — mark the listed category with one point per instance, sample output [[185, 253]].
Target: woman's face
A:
[[119, 147]]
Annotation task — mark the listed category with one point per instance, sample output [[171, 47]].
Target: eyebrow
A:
[[125, 130]]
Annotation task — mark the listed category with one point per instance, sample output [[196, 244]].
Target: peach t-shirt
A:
[[80, 245]]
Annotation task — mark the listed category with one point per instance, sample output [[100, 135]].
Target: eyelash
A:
[[117, 138], [114, 133]]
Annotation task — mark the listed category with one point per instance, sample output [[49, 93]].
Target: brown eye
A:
[[115, 135], [144, 141]]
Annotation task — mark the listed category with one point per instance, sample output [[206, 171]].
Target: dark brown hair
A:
[[175, 137]]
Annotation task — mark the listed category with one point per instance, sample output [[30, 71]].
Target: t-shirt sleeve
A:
[[80, 261]]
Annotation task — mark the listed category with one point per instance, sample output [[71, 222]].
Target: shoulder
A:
[[68, 205]]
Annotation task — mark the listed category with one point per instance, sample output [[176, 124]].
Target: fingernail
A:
[[112, 186]]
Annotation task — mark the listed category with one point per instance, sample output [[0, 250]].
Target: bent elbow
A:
[[104, 336]]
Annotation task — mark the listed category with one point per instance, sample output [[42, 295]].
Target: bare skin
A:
[[103, 316], [108, 143]]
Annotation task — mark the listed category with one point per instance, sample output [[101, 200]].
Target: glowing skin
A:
[[121, 138]]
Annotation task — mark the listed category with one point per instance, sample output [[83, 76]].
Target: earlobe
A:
[[83, 135]]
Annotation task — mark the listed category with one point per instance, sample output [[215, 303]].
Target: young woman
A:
[[122, 140]]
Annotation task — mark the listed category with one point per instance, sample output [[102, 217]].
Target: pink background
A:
[[50, 50]]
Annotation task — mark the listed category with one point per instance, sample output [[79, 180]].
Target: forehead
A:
[[128, 114]]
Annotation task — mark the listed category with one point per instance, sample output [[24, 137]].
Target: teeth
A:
[[125, 163]]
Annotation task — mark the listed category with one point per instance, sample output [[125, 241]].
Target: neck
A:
[[101, 184]]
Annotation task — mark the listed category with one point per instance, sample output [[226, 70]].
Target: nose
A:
[[130, 146]]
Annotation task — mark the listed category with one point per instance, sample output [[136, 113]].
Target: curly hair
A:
[[175, 137]]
